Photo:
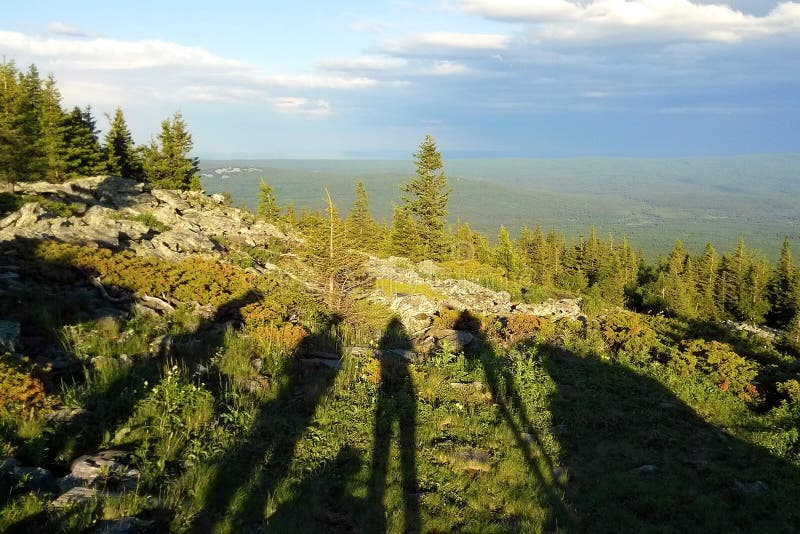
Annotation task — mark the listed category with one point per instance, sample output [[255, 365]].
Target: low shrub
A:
[[524, 327], [725, 368], [20, 392]]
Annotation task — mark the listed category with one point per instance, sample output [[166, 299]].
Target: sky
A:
[[363, 79]]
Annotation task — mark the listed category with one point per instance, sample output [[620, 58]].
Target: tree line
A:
[[40, 140], [739, 285]]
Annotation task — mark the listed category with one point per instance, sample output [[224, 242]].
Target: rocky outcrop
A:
[[119, 213], [416, 311]]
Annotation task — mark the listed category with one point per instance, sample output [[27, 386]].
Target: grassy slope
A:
[[530, 439], [652, 201]]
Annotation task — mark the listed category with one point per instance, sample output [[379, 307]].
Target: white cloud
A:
[[448, 42], [305, 106], [364, 64], [62, 28], [314, 81], [111, 54], [108, 72], [449, 68], [637, 20]]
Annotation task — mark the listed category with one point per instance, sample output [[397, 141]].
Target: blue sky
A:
[[485, 77]]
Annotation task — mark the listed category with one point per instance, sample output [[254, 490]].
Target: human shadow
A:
[[246, 476], [505, 395], [328, 486], [396, 403], [639, 459]]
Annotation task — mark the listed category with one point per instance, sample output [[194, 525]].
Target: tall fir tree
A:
[[121, 155], [506, 255], [167, 163], [54, 131], [13, 164], [361, 227], [427, 198], [405, 239], [83, 154], [782, 288], [707, 274]]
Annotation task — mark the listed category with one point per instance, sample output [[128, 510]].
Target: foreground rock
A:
[[101, 469]]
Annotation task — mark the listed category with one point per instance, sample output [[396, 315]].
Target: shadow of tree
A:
[[396, 403], [639, 459]]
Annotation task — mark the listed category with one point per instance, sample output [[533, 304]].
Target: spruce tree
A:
[[83, 154], [707, 267], [340, 268], [506, 255], [167, 164], [782, 288], [13, 162], [121, 155], [268, 208], [405, 239], [464, 245], [361, 227], [54, 131], [427, 199]]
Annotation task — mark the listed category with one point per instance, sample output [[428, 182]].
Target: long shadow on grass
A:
[[396, 403], [638, 459], [245, 477], [505, 394]]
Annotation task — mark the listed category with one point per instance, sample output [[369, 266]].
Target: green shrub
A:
[[725, 368]]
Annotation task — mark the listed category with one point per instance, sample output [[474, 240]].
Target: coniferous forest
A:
[[170, 362]]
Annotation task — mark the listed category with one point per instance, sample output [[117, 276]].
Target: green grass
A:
[[233, 432]]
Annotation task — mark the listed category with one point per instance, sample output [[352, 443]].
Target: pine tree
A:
[[13, 161], [121, 156], [340, 267], [506, 255], [405, 239], [427, 199], [707, 273], [463, 245], [361, 226], [83, 154], [268, 208], [54, 130], [167, 164], [782, 288], [30, 125]]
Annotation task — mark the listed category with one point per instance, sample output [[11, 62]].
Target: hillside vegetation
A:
[[169, 362]]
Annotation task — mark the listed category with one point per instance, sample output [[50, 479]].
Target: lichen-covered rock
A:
[[75, 496], [105, 467]]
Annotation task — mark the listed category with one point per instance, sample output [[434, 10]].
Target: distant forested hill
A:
[[652, 201]]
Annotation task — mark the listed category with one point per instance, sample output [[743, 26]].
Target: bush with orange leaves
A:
[[526, 327], [20, 392], [286, 336]]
